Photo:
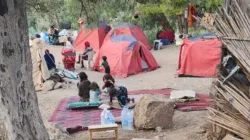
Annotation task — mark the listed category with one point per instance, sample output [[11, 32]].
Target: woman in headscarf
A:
[[40, 70], [50, 60], [83, 87], [85, 56]]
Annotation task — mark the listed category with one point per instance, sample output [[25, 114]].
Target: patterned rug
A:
[[71, 118]]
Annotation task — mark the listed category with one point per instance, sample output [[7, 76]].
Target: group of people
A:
[[90, 91], [88, 55], [41, 64], [53, 35]]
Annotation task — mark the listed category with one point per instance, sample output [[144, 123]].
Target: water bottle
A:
[[106, 117], [103, 114], [124, 118], [130, 120], [111, 118]]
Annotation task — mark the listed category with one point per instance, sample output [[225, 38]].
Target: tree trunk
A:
[[81, 8], [18, 101], [57, 21], [185, 26], [180, 26], [85, 10], [162, 19]]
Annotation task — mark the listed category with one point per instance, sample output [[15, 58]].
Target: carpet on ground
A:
[[71, 118]]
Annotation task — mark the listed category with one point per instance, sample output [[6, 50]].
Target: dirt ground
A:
[[187, 125]]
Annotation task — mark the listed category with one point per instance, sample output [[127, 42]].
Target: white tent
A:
[[64, 32]]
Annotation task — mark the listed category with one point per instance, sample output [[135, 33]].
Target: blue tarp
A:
[[128, 38], [45, 37], [209, 35]]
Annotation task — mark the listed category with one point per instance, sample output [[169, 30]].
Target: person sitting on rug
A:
[[106, 78], [119, 92], [94, 92], [83, 87]]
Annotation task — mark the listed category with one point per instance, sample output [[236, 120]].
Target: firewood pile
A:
[[231, 110]]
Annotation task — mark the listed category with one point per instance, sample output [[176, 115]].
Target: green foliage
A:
[[177, 7], [168, 7], [212, 5], [44, 13]]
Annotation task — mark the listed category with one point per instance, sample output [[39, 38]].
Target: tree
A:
[[176, 8], [18, 101], [152, 8], [167, 8]]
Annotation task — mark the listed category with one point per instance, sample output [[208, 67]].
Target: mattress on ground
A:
[[84, 105]]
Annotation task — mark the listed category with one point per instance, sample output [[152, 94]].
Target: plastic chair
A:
[[157, 44]]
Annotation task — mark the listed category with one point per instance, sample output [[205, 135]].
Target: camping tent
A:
[[199, 57], [126, 56], [94, 36], [129, 29], [202, 36], [64, 32]]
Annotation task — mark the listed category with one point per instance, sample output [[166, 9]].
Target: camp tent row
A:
[[97, 35], [126, 47]]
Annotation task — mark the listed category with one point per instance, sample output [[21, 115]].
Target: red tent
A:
[[94, 36], [199, 58], [129, 29], [126, 56]]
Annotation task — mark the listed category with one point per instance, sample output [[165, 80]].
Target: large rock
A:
[[154, 111], [48, 85]]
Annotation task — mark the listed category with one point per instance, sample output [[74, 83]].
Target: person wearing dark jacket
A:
[[50, 60], [83, 87], [105, 65], [118, 92]]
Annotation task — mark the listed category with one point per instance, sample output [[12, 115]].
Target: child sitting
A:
[[94, 92], [83, 87]]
